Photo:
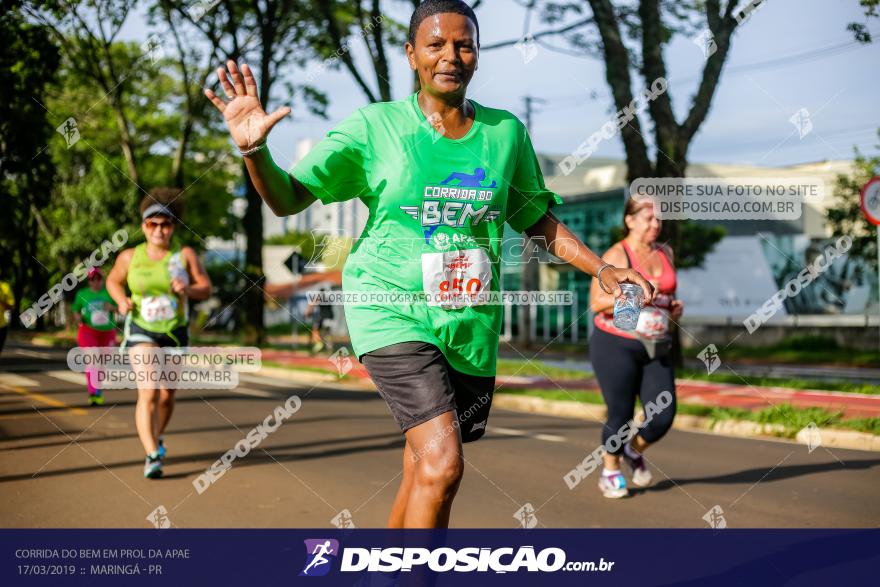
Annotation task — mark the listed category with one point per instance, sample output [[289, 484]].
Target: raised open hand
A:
[[248, 123]]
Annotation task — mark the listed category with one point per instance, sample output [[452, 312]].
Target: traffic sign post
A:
[[870, 203]]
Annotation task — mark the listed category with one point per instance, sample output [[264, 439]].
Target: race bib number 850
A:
[[456, 279]]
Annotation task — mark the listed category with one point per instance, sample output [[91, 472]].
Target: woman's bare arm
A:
[[568, 247], [599, 300], [283, 193]]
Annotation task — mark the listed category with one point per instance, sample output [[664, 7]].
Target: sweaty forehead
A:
[[446, 24]]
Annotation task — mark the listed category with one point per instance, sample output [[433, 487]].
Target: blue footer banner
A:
[[257, 558]]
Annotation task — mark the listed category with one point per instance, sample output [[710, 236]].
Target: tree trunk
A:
[[252, 223], [180, 154]]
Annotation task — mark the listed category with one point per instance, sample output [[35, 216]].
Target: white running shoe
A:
[[614, 485], [641, 475]]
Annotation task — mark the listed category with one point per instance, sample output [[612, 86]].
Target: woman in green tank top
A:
[[161, 279]]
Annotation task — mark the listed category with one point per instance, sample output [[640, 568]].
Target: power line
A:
[[580, 99]]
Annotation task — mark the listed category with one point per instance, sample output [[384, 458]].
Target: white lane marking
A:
[[550, 437], [17, 380], [253, 392], [35, 354], [512, 432], [69, 376]]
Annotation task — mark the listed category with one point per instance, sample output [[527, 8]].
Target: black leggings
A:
[[623, 369]]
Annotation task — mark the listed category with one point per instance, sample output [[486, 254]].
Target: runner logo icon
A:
[[320, 554], [469, 180]]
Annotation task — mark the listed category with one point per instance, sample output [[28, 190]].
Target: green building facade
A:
[[595, 219]]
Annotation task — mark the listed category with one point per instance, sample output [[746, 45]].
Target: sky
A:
[[791, 54]]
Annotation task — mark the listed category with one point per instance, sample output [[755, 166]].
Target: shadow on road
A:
[[175, 431], [183, 397], [758, 474], [383, 442]]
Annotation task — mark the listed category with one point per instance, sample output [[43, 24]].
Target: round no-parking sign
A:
[[871, 200]]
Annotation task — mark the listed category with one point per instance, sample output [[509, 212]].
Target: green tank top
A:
[[156, 307]]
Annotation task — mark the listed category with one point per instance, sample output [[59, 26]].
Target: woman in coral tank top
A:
[[630, 364]]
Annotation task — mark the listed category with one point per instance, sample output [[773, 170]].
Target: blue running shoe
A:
[[153, 466]]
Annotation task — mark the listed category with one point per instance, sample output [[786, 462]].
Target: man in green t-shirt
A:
[[440, 175], [93, 309]]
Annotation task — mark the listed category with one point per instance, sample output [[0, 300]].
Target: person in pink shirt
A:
[[93, 310]]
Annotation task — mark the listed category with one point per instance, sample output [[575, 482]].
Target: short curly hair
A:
[[432, 7], [172, 198]]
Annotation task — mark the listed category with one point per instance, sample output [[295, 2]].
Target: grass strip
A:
[[792, 418]]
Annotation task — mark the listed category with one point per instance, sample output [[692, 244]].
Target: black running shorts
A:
[[417, 383], [135, 334]]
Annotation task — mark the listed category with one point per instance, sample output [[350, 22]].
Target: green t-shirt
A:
[[437, 209], [156, 307], [91, 305]]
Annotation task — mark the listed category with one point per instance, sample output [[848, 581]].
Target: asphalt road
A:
[[64, 464]]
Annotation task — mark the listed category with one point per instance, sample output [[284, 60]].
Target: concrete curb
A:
[[828, 437]]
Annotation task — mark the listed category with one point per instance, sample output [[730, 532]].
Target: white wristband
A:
[[252, 150]]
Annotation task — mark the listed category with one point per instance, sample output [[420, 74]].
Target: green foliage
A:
[[95, 196], [28, 61], [695, 241], [846, 217], [797, 418], [800, 350], [809, 343], [860, 30]]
